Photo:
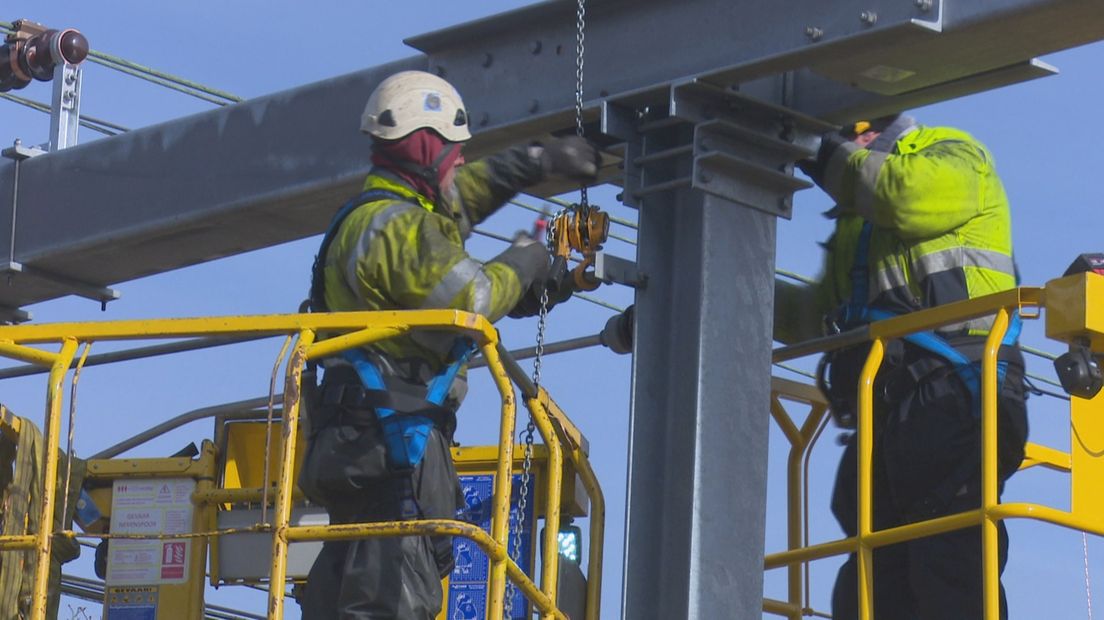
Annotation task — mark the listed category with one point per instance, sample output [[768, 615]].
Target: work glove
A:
[[816, 167], [558, 284], [571, 158]]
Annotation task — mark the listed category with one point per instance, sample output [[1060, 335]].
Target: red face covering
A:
[[413, 155]]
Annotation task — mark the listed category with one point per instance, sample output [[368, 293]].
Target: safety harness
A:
[[857, 312], [405, 420]]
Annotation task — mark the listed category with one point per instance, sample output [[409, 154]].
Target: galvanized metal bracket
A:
[[65, 108], [720, 141], [19, 152], [102, 294], [616, 270]]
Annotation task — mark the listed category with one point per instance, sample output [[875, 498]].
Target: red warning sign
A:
[[172, 560]]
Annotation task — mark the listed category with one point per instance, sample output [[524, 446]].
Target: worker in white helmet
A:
[[379, 444]]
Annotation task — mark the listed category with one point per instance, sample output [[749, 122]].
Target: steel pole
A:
[[701, 401]]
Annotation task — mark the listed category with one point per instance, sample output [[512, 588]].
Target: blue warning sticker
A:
[[132, 612], [467, 602], [468, 580], [477, 492]]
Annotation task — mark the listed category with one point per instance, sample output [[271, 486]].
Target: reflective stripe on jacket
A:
[[403, 255], [942, 229]]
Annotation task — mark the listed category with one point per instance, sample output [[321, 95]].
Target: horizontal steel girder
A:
[[274, 169]]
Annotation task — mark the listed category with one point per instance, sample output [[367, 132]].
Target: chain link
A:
[[530, 428], [550, 235], [580, 50], [1088, 580]]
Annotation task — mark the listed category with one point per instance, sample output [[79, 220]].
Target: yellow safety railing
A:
[[1075, 306], [344, 330]]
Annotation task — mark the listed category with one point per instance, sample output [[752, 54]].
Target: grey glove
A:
[[558, 285], [829, 144], [571, 157], [529, 259]]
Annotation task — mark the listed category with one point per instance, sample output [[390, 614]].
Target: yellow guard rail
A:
[[346, 330], [1075, 312]]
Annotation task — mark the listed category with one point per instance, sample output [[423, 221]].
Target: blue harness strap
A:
[[406, 435], [858, 312]]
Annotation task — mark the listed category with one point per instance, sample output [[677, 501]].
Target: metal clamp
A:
[[614, 269]]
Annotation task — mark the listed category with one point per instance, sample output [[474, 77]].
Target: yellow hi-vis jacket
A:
[[404, 255], [942, 232]]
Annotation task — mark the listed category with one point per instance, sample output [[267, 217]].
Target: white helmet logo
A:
[[412, 100], [432, 102]]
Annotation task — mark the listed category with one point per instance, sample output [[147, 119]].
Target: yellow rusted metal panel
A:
[[1087, 457], [111, 469], [1075, 309], [245, 450], [173, 601]]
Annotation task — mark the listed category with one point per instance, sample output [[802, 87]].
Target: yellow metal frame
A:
[[186, 599], [1078, 304], [354, 329]]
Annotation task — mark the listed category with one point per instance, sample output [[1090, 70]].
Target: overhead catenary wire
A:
[[90, 122], [616, 220], [582, 296], [161, 78]]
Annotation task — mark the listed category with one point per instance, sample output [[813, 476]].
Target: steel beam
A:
[[272, 169], [223, 182]]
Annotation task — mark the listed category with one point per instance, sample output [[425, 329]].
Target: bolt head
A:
[[814, 33], [535, 47]]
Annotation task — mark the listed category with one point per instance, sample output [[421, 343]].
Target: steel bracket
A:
[[616, 270], [102, 294], [19, 152]]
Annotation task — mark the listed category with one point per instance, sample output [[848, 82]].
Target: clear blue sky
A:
[[1041, 133]]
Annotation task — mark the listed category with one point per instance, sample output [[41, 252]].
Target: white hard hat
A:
[[413, 100]]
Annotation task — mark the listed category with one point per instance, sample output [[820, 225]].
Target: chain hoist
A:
[[559, 242]]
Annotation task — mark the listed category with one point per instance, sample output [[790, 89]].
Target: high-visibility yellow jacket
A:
[[405, 255], [942, 231]]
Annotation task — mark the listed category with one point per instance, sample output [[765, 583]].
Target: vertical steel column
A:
[[709, 172], [701, 396]]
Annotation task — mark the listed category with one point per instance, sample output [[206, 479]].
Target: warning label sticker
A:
[[467, 596], [131, 603], [156, 506]]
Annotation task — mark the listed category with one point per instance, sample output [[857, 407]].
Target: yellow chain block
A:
[[582, 228]]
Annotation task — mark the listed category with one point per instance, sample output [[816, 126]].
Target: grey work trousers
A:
[[927, 462], [380, 578]]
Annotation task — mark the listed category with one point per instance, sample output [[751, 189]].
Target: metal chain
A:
[[530, 428], [580, 49], [1088, 581], [550, 235]]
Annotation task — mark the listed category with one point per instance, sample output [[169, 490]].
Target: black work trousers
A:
[[378, 578], [927, 463]]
